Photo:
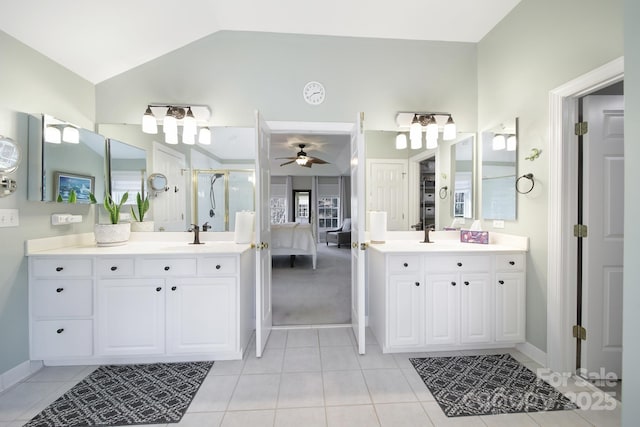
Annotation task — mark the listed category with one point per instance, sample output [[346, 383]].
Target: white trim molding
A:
[[16, 374], [561, 246]]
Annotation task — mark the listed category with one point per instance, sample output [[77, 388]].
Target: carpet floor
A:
[[304, 296], [114, 395]]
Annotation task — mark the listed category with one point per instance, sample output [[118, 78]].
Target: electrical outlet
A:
[[9, 218], [498, 223]]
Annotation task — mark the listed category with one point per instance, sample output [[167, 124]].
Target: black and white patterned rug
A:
[[156, 393], [487, 385]]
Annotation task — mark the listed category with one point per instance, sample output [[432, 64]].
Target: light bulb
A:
[[432, 141], [71, 135], [498, 143], [169, 123], [415, 133], [449, 132], [204, 137], [401, 141], [512, 143], [189, 123], [171, 138], [432, 130], [52, 135], [188, 137], [149, 123]]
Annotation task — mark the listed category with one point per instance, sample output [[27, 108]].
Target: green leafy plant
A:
[[143, 207], [113, 208]]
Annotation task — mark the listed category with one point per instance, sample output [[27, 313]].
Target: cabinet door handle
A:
[[512, 263], [59, 331], [218, 267], [173, 288], [114, 268], [453, 283], [459, 264], [59, 268], [501, 282], [167, 268], [59, 290], [466, 283], [405, 264], [417, 283], [158, 289]]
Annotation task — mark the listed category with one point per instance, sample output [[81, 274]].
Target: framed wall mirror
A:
[[499, 170], [60, 149]]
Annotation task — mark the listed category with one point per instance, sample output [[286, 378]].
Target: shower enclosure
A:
[[220, 194]]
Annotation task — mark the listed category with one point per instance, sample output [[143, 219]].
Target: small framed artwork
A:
[[67, 184]]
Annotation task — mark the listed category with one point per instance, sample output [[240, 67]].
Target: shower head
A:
[[218, 175]]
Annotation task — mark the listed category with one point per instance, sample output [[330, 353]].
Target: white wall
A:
[[540, 45]]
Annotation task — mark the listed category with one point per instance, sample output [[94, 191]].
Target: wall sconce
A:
[[431, 123], [61, 132], [173, 116]]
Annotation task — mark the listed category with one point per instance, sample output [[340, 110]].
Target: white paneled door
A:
[[169, 207], [388, 191], [357, 232], [603, 248], [264, 313]]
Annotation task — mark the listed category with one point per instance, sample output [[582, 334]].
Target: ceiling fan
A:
[[302, 159]]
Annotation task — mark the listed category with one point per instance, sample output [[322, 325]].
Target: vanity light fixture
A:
[[431, 123], [401, 141], [52, 135], [174, 116], [71, 134], [499, 142]]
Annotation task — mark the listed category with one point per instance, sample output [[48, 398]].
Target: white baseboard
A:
[[533, 352], [14, 375]]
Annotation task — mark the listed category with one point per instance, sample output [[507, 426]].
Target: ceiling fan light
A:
[[401, 141], [303, 160], [498, 143], [204, 137], [52, 135], [449, 132], [512, 142], [149, 123], [71, 135]]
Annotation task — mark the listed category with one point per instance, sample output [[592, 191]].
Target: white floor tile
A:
[[307, 417], [58, 373], [330, 337], [605, 414], [277, 338], [375, 359], [352, 416], [19, 399], [201, 419], [402, 415], [248, 419], [417, 385], [438, 418], [299, 390], [269, 363], [338, 358], [508, 420], [402, 359], [302, 359], [227, 367], [302, 338], [388, 386], [345, 388], [34, 410], [255, 392], [214, 393], [559, 418]]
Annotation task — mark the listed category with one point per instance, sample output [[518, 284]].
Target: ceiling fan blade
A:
[[307, 165], [285, 158], [317, 161], [286, 163]]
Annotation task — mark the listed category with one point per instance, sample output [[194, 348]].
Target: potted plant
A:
[[114, 233], [140, 224]]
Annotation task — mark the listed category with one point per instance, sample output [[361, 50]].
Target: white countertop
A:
[[139, 244]]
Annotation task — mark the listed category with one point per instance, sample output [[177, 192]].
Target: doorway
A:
[[301, 206]]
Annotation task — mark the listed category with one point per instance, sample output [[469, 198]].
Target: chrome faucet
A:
[[426, 234], [196, 234]]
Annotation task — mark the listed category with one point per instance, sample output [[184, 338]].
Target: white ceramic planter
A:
[[142, 226], [112, 234]]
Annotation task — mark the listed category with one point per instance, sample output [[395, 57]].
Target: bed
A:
[[293, 239]]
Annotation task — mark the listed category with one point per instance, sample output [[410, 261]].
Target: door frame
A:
[[561, 245]]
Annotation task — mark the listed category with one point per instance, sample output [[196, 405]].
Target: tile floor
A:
[[314, 377]]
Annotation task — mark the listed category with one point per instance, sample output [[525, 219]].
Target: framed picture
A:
[[65, 183]]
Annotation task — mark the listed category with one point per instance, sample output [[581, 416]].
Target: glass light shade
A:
[[204, 137], [415, 133], [169, 123], [188, 137], [149, 124], [71, 135], [401, 141], [171, 138], [52, 135], [189, 123], [449, 132], [432, 141], [432, 129], [511, 143], [499, 143], [302, 161]]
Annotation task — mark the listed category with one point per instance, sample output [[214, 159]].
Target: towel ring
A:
[[528, 176], [443, 192]]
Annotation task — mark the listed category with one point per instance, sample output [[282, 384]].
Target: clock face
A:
[[313, 93]]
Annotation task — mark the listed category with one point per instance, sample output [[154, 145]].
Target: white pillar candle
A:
[[377, 226]]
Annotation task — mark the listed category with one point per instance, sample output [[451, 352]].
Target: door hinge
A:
[[580, 230], [582, 128], [579, 332]]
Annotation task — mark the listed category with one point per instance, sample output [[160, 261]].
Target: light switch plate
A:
[[498, 223], [9, 218]]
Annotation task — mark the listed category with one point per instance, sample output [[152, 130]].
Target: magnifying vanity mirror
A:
[[10, 156], [499, 169], [158, 183]]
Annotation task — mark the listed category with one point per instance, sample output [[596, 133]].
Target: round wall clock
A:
[[313, 93]]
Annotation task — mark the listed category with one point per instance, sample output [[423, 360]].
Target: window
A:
[[461, 208], [123, 181], [328, 212], [278, 207]]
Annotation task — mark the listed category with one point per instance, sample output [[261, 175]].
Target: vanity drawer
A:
[[215, 265], [404, 263], [458, 263], [61, 338], [61, 267], [166, 267], [62, 298], [510, 262], [112, 267]]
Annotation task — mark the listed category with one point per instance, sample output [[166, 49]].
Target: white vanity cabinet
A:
[[127, 308], [431, 300]]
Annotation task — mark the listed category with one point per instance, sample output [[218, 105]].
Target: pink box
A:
[[469, 236]]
